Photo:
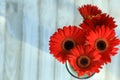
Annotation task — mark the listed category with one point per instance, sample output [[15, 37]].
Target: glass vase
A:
[[74, 73]]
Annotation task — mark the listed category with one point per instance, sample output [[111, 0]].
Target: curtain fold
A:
[[25, 29]]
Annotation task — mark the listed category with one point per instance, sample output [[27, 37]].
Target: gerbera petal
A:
[[66, 31], [63, 40], [60, 32], [84, 63], [98, 21], [114, 51], [104, 41], [88, 11]]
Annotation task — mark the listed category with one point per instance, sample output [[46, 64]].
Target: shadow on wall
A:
[[36, 30]]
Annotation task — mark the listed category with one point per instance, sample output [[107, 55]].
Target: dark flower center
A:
[[101, 45], [83, 61], [68, 44]]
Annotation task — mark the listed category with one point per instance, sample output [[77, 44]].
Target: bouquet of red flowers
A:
[[89, 46]]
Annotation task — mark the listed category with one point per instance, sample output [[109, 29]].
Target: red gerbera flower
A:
[[62, 41], [105, 41], [102, 19], [84, 60], [89, 11]]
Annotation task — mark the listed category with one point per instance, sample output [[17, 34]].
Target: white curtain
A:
[[25, 28]]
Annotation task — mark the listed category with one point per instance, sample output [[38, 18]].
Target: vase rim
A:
[[66, 64]]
